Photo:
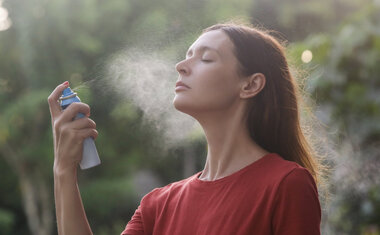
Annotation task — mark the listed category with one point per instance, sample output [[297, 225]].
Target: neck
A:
[[230, 147]]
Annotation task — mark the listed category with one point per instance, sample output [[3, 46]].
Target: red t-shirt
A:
[[269, 196]]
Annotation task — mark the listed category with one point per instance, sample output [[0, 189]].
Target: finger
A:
[[73, 109], [82, 123], [89, 132], [54, 106]]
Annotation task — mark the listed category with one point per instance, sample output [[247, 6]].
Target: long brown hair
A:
[[273, 114]]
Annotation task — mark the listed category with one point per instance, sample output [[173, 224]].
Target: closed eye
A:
[[206, 61]]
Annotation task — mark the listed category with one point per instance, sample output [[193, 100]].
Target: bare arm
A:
[[68, 144], [71, 216]]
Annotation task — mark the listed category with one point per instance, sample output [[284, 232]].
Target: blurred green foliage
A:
[[344, 81], [358, 102], [53, 41]]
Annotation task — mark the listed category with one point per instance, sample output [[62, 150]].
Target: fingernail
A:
[[66, 83]]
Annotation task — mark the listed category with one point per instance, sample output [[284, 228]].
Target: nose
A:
[[182, 68]]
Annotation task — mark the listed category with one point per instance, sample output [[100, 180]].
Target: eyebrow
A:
[[204, 48]]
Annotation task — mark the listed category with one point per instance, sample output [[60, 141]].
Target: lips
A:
[[179, 83]]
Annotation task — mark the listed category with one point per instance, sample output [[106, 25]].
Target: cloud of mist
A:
[[148, 80]]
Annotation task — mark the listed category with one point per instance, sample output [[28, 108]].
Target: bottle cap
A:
[[68, 97]]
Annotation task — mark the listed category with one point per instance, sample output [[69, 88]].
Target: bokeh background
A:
[[335, 44]]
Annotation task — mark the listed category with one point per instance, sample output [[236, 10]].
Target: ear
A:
[[252, 85]]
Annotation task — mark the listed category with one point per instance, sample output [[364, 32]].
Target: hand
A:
[[68, 133]]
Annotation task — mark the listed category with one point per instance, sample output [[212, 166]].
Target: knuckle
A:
[[50, 99], [94, 133], [79, 106], [74, 105], [92, 123], [82, 135], [57, 124], [64, 130], [58, 121], [86, 107]]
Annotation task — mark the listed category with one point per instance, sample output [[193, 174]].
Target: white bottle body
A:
[[90, 156]]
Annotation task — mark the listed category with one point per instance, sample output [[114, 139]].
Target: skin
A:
[[68, 146], [218, 99]]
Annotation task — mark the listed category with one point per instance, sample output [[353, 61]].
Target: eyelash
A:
[[206, 61], [203, 60]]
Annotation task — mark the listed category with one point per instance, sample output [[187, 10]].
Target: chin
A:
[[183, 105], [179, 104], [192, 106]]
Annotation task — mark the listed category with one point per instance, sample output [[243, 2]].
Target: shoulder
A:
[[276, 170], [291, 173], [278, 163], [281, 176], [145, 216], [293, 183], [296, 206], [161, 193], [298, 181]]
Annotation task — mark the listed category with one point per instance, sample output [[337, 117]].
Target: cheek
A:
[[215, 91], [220, 83]]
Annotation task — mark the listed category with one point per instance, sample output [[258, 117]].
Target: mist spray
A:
[[90, 156]]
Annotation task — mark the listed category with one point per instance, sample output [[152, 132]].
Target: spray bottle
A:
[[90, 156]]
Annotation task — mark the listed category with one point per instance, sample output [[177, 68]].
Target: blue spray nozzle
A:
[[68, 97], [67, 92]]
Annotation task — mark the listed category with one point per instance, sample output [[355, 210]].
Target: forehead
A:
[[215, 39]]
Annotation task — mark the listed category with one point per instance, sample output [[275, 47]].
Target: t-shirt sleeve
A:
[[142, 221], [135, 225], [297, 209]]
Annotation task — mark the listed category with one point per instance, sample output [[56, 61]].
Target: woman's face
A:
[[210, 70]]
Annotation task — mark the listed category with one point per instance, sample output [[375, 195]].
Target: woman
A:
[[259, 176]]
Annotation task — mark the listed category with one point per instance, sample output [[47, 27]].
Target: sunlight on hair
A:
[[306, 56]]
